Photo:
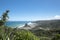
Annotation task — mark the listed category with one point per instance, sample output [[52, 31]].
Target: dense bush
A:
[[1, 22], [56, 37], [45, 38], [25, 35]]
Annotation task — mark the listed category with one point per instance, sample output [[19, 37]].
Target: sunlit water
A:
[[16, 23]]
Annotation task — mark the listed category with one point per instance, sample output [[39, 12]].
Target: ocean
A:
[[16, 23]]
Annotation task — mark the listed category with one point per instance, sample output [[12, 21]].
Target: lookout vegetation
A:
[[4, 18]]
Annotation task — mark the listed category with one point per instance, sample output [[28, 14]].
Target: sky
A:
[[31, 10]]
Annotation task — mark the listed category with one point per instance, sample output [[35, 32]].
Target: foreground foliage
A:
[[25, 35], [56, 37], [7, 33]]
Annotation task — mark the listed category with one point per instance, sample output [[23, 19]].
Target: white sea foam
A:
[[32, 25]]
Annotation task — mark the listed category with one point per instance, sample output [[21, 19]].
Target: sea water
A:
[[16, 23]]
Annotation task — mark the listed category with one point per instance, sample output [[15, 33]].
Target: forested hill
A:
[[51, 24]]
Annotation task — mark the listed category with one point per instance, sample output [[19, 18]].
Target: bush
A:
[[56, 37], [1, 23], [25, 35]]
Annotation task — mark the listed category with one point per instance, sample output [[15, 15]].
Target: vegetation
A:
[[4, 18], [25, 35], [16, 34], [56, 37]]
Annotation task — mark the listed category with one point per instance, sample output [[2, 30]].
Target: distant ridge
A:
[[43, 24]]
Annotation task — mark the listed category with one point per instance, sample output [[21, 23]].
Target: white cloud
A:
[[33, 18], [54, 17], [57, 17]]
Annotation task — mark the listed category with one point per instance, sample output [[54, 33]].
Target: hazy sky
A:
[[28, 10]]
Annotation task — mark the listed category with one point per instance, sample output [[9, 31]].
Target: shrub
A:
[[56, 37], [25, 35]]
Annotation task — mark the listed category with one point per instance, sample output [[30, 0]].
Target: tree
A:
[[4, 17], [2, 22]]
